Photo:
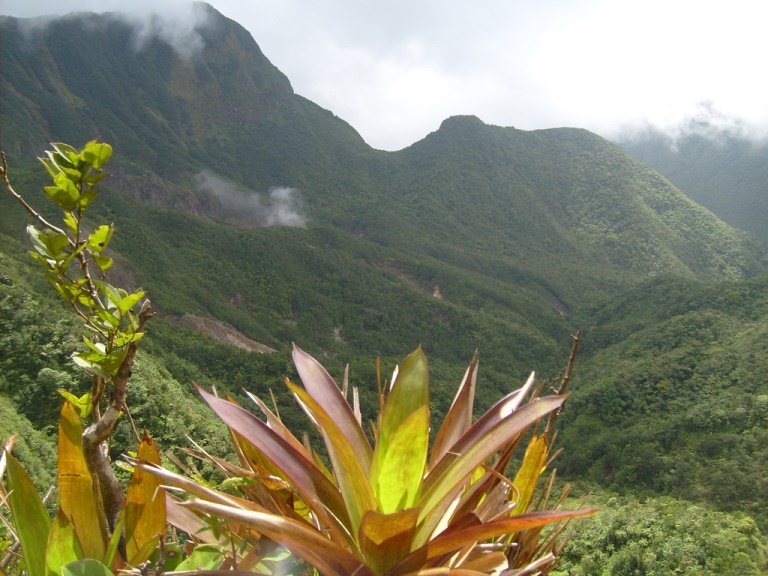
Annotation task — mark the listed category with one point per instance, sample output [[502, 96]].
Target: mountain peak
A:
[[462, 123]]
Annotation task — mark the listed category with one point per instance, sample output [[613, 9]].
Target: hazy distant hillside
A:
[[720, 170]]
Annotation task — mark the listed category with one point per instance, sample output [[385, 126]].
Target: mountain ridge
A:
[[551, 204]]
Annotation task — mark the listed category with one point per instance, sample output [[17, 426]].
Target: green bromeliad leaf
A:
[[401, 450], [87, 567], [400, 469], [63, 544]]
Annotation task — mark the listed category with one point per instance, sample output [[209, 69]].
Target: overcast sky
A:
[[394, 70]]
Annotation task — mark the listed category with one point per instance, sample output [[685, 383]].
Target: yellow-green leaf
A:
[[352, 477], [129, 301], [66, 151], [77, 496], [103, 262], [64, 193], [82, 405], [63, 544], [145, 516], [29, 516], [410, 391], [97, 153], [70, 221], [399, 471], [98, 241], [528, 475], [205, 557], [386, 538]]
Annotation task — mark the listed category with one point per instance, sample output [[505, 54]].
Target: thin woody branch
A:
[[565, 381], [94, 437], [36, 215]]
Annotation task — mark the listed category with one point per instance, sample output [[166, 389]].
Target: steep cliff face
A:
[[86, 73], [204, 99]]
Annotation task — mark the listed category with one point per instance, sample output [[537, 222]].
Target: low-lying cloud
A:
[[282, 206], [178, 28], [176, 22], [707, 121]]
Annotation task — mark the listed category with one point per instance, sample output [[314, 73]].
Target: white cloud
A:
[[282, 208], [395, 70]]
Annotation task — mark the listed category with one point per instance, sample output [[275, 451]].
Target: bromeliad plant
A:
[[392, 507]]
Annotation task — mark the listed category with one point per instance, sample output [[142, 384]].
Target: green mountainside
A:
[[476, 237], [723, 171]]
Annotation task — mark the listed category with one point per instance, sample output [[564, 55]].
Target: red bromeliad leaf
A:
[[504, 408], [445, 572], [187, 521], [451, 541], [319, 384], [313, 487], [498, 426], [274, 422], [459, 417], [298, 537], [189, 486]]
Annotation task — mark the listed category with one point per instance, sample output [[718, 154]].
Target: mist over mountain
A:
[[239, 201], [716, 162]]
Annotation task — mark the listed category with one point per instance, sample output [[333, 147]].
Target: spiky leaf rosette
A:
[[396, 507]]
